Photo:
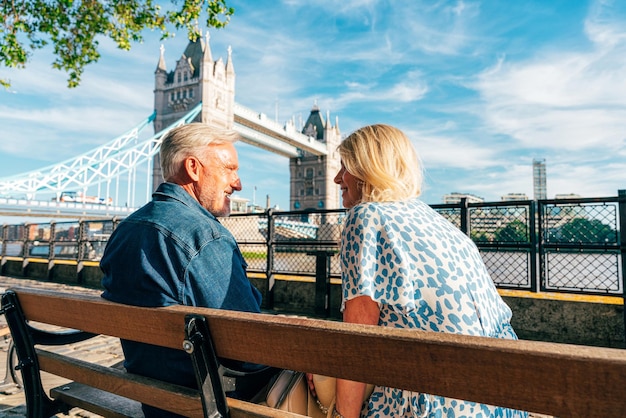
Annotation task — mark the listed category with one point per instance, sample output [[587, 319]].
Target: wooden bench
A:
[[547, 378]]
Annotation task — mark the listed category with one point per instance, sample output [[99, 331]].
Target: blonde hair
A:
[[189, 140], [384, 159]]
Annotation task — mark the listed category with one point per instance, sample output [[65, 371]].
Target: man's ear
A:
[[192, 168]]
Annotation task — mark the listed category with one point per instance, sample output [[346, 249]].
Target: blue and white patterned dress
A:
[[424, 273]]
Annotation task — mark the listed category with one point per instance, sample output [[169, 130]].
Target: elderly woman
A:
[[403, 265]]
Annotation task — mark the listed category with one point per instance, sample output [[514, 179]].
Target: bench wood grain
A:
[[548, 378]]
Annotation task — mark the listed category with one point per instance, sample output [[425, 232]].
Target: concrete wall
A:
[[535, 316], [570, 322]]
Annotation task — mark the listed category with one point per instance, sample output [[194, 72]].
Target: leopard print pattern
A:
[[425, 274]]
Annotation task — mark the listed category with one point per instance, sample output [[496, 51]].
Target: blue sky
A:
[[481, 87]]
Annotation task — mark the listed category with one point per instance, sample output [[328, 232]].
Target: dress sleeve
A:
[[371, 262]]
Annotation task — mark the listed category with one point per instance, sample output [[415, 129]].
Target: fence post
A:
[[83, 237], [25, 249], [621, 197], [3, 250], [51, 251], [3, 238], [322, 282], [534, 250], [465, 216], [269, 267], [541, 241]]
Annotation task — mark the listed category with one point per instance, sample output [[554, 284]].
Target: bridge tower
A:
[[195, 78], [312, 185]]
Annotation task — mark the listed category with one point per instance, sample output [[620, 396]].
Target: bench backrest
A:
[[549, 378]]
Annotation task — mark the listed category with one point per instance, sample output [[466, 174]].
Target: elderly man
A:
[[174, 251]]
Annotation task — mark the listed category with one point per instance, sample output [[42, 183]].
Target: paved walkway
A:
[[101, 349]]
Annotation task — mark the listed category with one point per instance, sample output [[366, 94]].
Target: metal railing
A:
[[73, 240], [581, 246], [569, 245]]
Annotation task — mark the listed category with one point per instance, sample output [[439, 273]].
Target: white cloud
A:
[[437, 28], [585, 180], [512, 178], [560, 129], [440, 151], [605, 23], [58, 133], [571, 100], [412, 87]]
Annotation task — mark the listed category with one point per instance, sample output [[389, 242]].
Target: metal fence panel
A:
[[509, 269], [64, 240], [451, 212], [250, 231], [300, 237], [13, 237], [584, 272], [504, 233], [580, 246], [38, 240], [94, 236]]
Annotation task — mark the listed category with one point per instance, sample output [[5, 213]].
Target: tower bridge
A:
[[198, 89], [256, 129]]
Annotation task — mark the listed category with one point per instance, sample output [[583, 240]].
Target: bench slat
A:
[[548, 378], [114, 406], [105, 391], [159, 326], [97, 401], [181, 400]]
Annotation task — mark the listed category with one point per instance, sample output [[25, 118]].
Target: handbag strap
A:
[[295, 376]]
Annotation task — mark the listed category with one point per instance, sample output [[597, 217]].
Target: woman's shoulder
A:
[[384, 214], [405, 207], [368, 210]]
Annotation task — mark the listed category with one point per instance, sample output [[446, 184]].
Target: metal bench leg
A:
[[199, 345], [37, 403]]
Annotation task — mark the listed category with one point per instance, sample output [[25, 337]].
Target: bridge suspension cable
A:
[[99, 166]]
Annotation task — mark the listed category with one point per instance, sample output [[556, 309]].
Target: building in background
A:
[[539, 179], [239, 204], [455, 197], [567, 196], [312, 185], [510, 197]]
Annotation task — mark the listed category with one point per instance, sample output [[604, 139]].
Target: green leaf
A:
[[72, 27]]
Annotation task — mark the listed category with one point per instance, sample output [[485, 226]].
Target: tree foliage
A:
[[587, 231], [73, 27], [515, 231], [479, 236]]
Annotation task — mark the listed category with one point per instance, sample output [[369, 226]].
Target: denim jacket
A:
[[173, 251]]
